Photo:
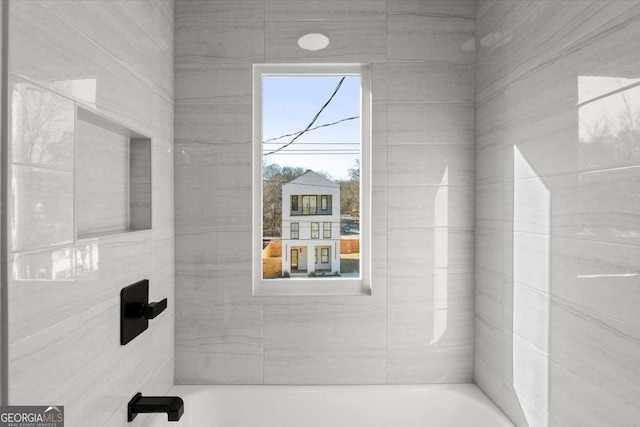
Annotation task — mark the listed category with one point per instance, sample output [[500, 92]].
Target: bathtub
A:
[[445, 405]]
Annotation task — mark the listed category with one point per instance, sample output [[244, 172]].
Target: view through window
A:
[[311, 157]]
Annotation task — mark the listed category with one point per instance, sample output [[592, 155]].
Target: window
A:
[[311, 149], [324, 255], [326, 230], [309, 205], [316, 255]]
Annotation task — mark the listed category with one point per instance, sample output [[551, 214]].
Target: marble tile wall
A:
[[418, 325], [557, 329], [113, 58]]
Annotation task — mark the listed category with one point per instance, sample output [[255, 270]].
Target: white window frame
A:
[[313, 286], [315, 228]]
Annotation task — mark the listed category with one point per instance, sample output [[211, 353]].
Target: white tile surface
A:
[[42, 206], [350, 41], [429, 39], [114, 59], [419, 9], [326, 340], [424, 124], [220, 10], [330, 10], [358, 367], [565, 205], [219, 42], [43, 128], [430, 82]]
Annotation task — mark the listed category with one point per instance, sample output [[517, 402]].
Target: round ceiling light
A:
[[313, 41]]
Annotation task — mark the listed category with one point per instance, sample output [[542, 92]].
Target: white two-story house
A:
[[310, 225]]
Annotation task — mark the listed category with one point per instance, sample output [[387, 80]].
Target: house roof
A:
[[312, 178]]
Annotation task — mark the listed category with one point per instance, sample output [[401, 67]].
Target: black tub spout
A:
[[173, 406]]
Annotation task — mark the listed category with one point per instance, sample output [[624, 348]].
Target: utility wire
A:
[[312, 121], [309, 130]]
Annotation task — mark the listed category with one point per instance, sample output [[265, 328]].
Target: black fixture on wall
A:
[[136, 310], [173, 406]]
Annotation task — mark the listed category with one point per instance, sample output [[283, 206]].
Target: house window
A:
[[309, 205], [326, 230], [316, 255], [324, 255], [311, 149]]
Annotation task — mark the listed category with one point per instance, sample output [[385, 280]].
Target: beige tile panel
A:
[[317, 368], [219, 42], [217, 165], [599, 206], [76, 67], [437, 291], [432, 366], [489, 212], [599, 349], [216, 207], [564, 24], [427, 207], [488, 296], [329, 324], [430, 82], [41, 201], [350, 41], [487, 380], [421, 330], [206, 247], [424, 124], [238, 330], [213, 124], [600, 277], [70, 277], [432, 39], [212, 84], [414, 252], [488, 344], [215, 290], [133, 48], [195, 366], [418, 9], [196, 11], [430, 165], [577, 401], [329, 10], [43, 128]]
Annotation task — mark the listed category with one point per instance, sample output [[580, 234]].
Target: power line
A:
[[312, 121], [309, 130]]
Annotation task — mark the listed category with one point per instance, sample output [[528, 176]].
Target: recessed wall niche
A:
[[112, 177]]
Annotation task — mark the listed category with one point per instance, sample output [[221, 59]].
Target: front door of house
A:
[[294, 259]]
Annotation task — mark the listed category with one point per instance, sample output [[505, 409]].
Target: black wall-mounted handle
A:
[[151, 310], [136, 310]]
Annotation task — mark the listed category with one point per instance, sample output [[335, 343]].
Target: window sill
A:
[[310, 287]]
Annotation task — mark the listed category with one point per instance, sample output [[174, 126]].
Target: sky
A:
[[289, 105]]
